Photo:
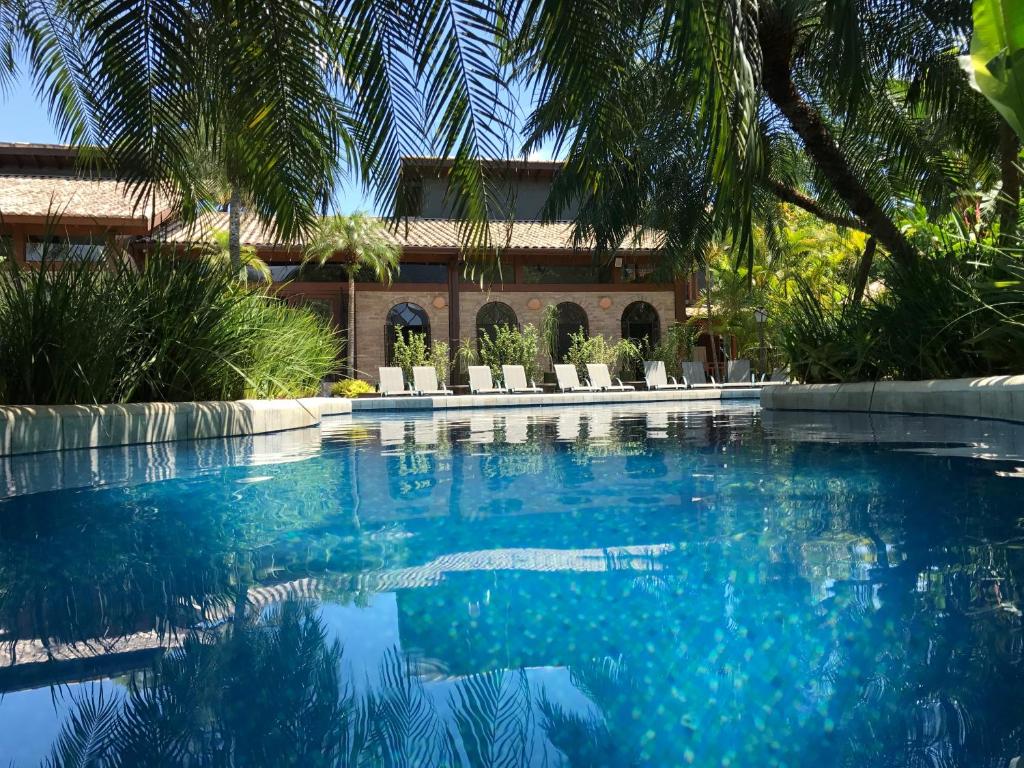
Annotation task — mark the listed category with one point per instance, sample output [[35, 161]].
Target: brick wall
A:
[[604, 313], [372, 307]]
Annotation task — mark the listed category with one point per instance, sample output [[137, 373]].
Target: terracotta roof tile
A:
[[69, 197], [409, 233]]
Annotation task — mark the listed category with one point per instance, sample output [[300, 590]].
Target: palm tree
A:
[[838, 80], [367, 245], [282, 94]]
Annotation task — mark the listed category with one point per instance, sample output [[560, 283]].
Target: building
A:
[[538, 263]]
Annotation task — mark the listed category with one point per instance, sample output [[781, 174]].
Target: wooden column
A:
[[680, 295], [454, 278]]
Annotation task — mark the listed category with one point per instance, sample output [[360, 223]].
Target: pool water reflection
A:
[[588, 587]]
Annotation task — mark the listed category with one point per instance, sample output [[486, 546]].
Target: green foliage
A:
[[351, 388], [824, 343], [585, 349], [549, 331], [676, 346], [74, 331], [361, 239], [996, 61], [286, 351], [218, 250], [954, 315], [411, 350], [510, 346]]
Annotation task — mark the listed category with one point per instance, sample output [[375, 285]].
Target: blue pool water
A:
[[707, 586]]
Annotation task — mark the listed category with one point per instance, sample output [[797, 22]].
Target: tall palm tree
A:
[[367, 246]]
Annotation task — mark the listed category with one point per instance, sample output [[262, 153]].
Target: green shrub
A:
[[351, 388], [413, 351], [675, 347], [585, 349], [78, 331], [951, 315], [510, 346]]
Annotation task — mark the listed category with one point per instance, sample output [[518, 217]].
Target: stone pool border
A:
[[27, 429], [990, 397]]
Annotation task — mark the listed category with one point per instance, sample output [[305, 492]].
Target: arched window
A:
[[493, 315], [406, 319], [571, 318], [639, 322]]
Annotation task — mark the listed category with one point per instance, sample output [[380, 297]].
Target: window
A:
[[406, 319], [537, 273], [422, 273], [492, 315], [571, 319], [640, 321], [63, 249]]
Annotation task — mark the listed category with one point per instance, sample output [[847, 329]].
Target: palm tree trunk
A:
[[863, 270], [235, 231], [350, 340], [713, 351], [1008, 204], [776, 42]]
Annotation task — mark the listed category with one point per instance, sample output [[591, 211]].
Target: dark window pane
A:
[[571, 319], [639, 322], [538, 273], [492, 315], [406, 319], [422, 273]]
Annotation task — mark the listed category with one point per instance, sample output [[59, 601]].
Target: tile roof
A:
[[68, 197], [442, 234]]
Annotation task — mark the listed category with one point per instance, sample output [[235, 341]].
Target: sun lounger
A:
[[515, 380], [480, 381], [392, 383], [779, 376], [425, 381], [696, 377], [656, 378], [737, 374], [602, 379], [569, 380]]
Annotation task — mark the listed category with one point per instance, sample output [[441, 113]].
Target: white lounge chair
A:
[[737, 374], [515, 380], [602, 379], [695, 376], [569, 380], [480, 381], [424, 379], [779, 376], [392, 383], [656, 378]]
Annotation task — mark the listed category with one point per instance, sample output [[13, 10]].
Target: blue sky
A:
[[24, 118]]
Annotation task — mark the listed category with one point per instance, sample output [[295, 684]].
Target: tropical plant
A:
[[351, 388], [245, 260], [176, 329], [585, 349], [994, 62], [365, 244], [411, 349], [549, 332], [675, 346], [510, 346]]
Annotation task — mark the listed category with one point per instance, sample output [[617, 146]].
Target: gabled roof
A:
[[409, 234]]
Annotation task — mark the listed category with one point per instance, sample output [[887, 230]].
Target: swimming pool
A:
[[707, 585]]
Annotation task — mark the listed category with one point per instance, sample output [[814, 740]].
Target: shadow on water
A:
[[586, 587]]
